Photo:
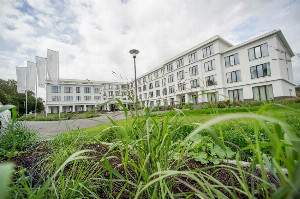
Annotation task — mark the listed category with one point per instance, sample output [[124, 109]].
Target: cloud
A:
[[94, 37]]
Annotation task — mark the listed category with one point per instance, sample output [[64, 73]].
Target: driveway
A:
[[45, 128]]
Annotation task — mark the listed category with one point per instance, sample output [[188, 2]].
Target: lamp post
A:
[[134, 52]]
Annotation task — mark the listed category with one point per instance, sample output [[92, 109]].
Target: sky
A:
[[94, 37]]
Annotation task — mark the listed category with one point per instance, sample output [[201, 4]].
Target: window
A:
[[193, 70], [97, 97], [181, 86], [162, 71], [194, 83], [77, 89], [156, 74], [151, 103], [144, 87], [140, 89], [171, 78], [158, 103], [157, 93], [194, 99], [210, 65], [151, 94], [145, 95], [124, 86], [163, 81], [150, 77], [117, 93], [87, 98], [211, 80], [258, 52], [170, 67], [263, 93], [193, 57], [150, 86], [236, 95], [117, 87], [140, 96], [87, 89], [232, 60], [68, 98], [165, 91], [68, 89], [261, 70], [55, 89], [234, 76], [212, 97], [104, 93], [171, 89], [144, 80], [180, 75], [139, 81], [56, 98], [96, 90], [110, 93], [156, 84], [123, 93], [180, 63], [209, 50], [111, 86], [78, 98]]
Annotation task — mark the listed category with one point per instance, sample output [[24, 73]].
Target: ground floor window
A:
[[263, 93], [212, 97], [194, 99], [182, 100], [236, 95], [151, 103], [172, 102]]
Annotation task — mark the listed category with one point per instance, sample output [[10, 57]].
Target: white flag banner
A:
[[41, 70], [52, 66], [21, 79], [31, 76]]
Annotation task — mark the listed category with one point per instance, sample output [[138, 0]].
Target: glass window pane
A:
[[260, 71], [236, 58], [264, 50], [208, 51], [213, 64], [230, 93], [238, 76], [235, 94], [233, 76], [268, 69], [209, 65], [251, 54], [253, 72], [212, 49], [228, 75], [241, 96], [204, 52], [227, 62], [205, 66], [262, 93], [255, 93], [231, 60], [269, 92], [257, 52]]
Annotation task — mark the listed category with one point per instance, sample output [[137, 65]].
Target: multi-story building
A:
[[83, 95], [215, 70]]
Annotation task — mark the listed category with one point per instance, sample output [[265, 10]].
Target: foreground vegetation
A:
[[179, 154]]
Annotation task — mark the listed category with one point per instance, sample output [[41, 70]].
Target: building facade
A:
[[84, 95], [215, 70]]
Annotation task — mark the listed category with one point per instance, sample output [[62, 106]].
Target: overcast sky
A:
[[93, 37]]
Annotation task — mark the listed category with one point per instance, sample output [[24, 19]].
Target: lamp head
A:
[[134, 52]]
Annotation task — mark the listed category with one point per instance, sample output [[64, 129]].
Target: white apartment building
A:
[[215, 70], [258, 69], [83, 95]]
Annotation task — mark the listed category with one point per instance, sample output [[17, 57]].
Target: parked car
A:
[[5, 117]]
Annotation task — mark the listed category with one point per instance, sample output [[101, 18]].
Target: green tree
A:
[[9, 95]]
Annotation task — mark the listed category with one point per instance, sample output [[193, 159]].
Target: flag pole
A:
[[35, 94], [26, 91], [58, 84], [46, 70]]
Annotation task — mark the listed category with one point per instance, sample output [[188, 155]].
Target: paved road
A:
[[45, 128]]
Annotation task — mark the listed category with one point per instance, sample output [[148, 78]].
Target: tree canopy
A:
[[9, 95]]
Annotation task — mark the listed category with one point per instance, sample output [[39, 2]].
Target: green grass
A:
[[153, 149]]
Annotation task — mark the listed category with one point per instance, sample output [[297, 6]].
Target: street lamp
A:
[[134, 52]]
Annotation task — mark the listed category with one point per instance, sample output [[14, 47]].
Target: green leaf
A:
[[6, 169], [6, 107]]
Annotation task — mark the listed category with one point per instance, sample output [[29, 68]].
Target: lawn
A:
[[179, 154]]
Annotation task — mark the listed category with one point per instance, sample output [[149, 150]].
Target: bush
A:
[[20, 138]]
